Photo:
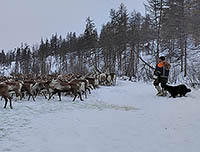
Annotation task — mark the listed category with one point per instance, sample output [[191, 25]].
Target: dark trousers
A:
[[163, 82]]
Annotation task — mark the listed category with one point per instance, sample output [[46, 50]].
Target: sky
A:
[[28, 21]]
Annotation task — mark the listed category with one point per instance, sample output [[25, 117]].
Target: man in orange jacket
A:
[[161, 72]]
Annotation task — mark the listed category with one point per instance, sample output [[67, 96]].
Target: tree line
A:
[[169, 27]]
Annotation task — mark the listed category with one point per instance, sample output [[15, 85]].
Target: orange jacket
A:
[[165, 64], [162, 69]]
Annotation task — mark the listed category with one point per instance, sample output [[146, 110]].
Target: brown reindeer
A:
[[103, 78], [93, 82], [58, 86], [39, 87], [84, 85], [14, 86], [4, 92], [113, 78], [27, 87]]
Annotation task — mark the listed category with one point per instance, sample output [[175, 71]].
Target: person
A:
[[161, 74]]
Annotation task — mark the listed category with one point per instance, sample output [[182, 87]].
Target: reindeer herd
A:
[[70, 84]]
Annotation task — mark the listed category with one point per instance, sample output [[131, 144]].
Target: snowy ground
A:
[[125, 118]]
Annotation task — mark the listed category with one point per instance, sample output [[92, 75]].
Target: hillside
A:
[[126, 117]]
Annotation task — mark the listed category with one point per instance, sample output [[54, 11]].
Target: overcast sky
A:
[[30, 20]]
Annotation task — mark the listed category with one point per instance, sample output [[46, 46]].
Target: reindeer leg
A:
[[59, 95], [29, 97], [11, 107], [51, 94], [33, 97], [91, 87], [85, 94], [18, 94], [6, 101], [80, 96], [44, 95], [22, 96], [89, 90], [75, 95]]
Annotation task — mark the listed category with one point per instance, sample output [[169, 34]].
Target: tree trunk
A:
[[185, 64], [182, 53], [137, 57]]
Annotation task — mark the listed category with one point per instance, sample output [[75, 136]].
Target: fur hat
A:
[[162, 58]]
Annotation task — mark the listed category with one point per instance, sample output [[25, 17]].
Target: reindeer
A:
[[39, 87], [107, 79], [84, 85], [14, 86], [27, 87], [93, 82], [58, 86], [4, 92], [102, 78], [113, 78]]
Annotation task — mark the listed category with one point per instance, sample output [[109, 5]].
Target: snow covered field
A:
[[125, 118]]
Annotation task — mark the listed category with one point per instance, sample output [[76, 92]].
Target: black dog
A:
[[177, 90]]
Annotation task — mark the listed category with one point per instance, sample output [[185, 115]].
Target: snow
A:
[[123, 118], [7, 70]]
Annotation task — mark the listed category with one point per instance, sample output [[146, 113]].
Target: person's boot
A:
[[164, 92], [160, 93]]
